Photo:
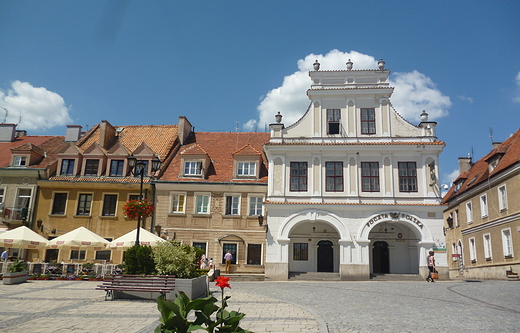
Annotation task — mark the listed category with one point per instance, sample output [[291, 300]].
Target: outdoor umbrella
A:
[[78, 238], [128, 240], [22, 238]]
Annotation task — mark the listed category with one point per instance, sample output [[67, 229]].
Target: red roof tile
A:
[[49, 144], [220, 147]]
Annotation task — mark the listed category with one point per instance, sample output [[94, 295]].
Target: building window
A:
[[109, 205], [103, 255], [255, 206], [232, 248], [246, 169], [472, 250], [232, 205], [469, 212], [370, 176], [334, 175], [483, 206], [507, 243], [254, 254], [20, 160], [502, 198], [368, 121], [59, 203], [457, 218], [2, 193], [23, 202], [84, 204], [454, 252], [407, 177], [193, 168], [202, 204], [91, 167], [487, 246], [77, 254], [201, 246], [333, 121], [298, 176], [67, 167], [178, 200], [116, 168], [300, 251]]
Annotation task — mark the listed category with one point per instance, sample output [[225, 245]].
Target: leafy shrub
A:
[[139, 260], [18, 266], [172, 258]]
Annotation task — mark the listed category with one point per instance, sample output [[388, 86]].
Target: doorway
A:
[[325, 256], [380, 258]]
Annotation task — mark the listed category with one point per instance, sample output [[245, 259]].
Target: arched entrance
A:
[[381, 257], [325, 256]]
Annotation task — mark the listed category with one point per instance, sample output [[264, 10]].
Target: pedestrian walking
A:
[[431, 266], [5, 255], [227, 257]]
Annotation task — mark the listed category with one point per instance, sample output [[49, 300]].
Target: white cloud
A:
[[467, 99], [413, 91], [517, 97], [39, 108], [250, 126], [448, 178]]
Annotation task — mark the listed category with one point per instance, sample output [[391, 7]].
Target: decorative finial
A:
[[424, 116], [278, 117], [381, 64], [349, 65], [316, 66]]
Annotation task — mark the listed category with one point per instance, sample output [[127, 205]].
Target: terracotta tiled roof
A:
[[348, 203], [86, 179], [378, 143], [194, 149], [220, 147], [247, 150], [49, 144], [509, 151]]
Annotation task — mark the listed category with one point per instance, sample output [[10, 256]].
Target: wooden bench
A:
[[161, 284]]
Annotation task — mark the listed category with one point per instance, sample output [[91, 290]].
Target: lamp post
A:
[[138, 169]]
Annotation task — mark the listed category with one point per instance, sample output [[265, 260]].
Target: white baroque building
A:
[[353, 186]]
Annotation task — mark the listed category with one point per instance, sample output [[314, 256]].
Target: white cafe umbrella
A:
[[128, 240], [22, 238], [79, 238]]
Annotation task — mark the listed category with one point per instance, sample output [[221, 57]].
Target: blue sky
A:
[[219, 63]]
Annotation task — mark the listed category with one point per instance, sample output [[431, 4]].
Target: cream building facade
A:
[[352, 185]]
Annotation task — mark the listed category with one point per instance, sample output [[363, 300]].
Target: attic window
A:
[[473, 180], [246, 169], [20, 160], [493, 165], [192, 168]]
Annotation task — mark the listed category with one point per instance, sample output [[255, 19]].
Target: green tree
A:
[[139, 260]]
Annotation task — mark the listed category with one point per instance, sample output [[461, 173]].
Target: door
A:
[[51, 255], [325, 256], [380, 258]]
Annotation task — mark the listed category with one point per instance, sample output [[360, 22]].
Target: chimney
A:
[[464, 164], [183, 129], [106, 134], [20, 133], [495, 144], [73, 133], [7, 132]]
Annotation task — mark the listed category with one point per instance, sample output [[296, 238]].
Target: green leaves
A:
[[175, 259], [208, 316]]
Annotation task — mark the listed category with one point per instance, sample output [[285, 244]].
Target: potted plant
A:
[[18, 273]]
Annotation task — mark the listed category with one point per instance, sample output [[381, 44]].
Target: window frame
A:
[[105, 210], [336, 180], [333, 121], [502, 197], [18, 159], [59, 207], [225, 247], [89, 167], [370, 177], [488, 249], [2, 194], [258, 260], [301, 180], [469, 212], [67, 167], [249, 171], [302, 253], [232, 207], [507, 242], [207, 205], [407, 183], [179, 205], [368, 125], [101, 257], [472, 249], [193, 168], [483, 206], [119, 166], [83, 206], [81, 254], [253, 206], [457, 218]]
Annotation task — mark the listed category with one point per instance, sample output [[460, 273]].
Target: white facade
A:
[[337, 200]]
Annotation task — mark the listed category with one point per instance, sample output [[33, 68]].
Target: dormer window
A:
[[67, 167], [116, 168], [20, 160], [246, 169], [91, 167], [192, 168]]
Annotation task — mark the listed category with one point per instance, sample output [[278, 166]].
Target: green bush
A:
[[139, 260], [172, 258]]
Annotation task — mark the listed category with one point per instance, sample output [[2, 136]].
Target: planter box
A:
[[193, 288], [14, 278]]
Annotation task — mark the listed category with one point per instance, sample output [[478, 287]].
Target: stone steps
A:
[[396, 277], [241, 277], [314, 276]]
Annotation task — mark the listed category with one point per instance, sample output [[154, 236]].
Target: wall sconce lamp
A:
[[158, 229], [39, 226], [261, 222]]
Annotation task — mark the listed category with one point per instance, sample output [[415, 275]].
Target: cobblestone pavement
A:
[[321, 307]]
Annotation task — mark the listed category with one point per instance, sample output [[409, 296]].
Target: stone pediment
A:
[[94, 150], [119, 149]]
